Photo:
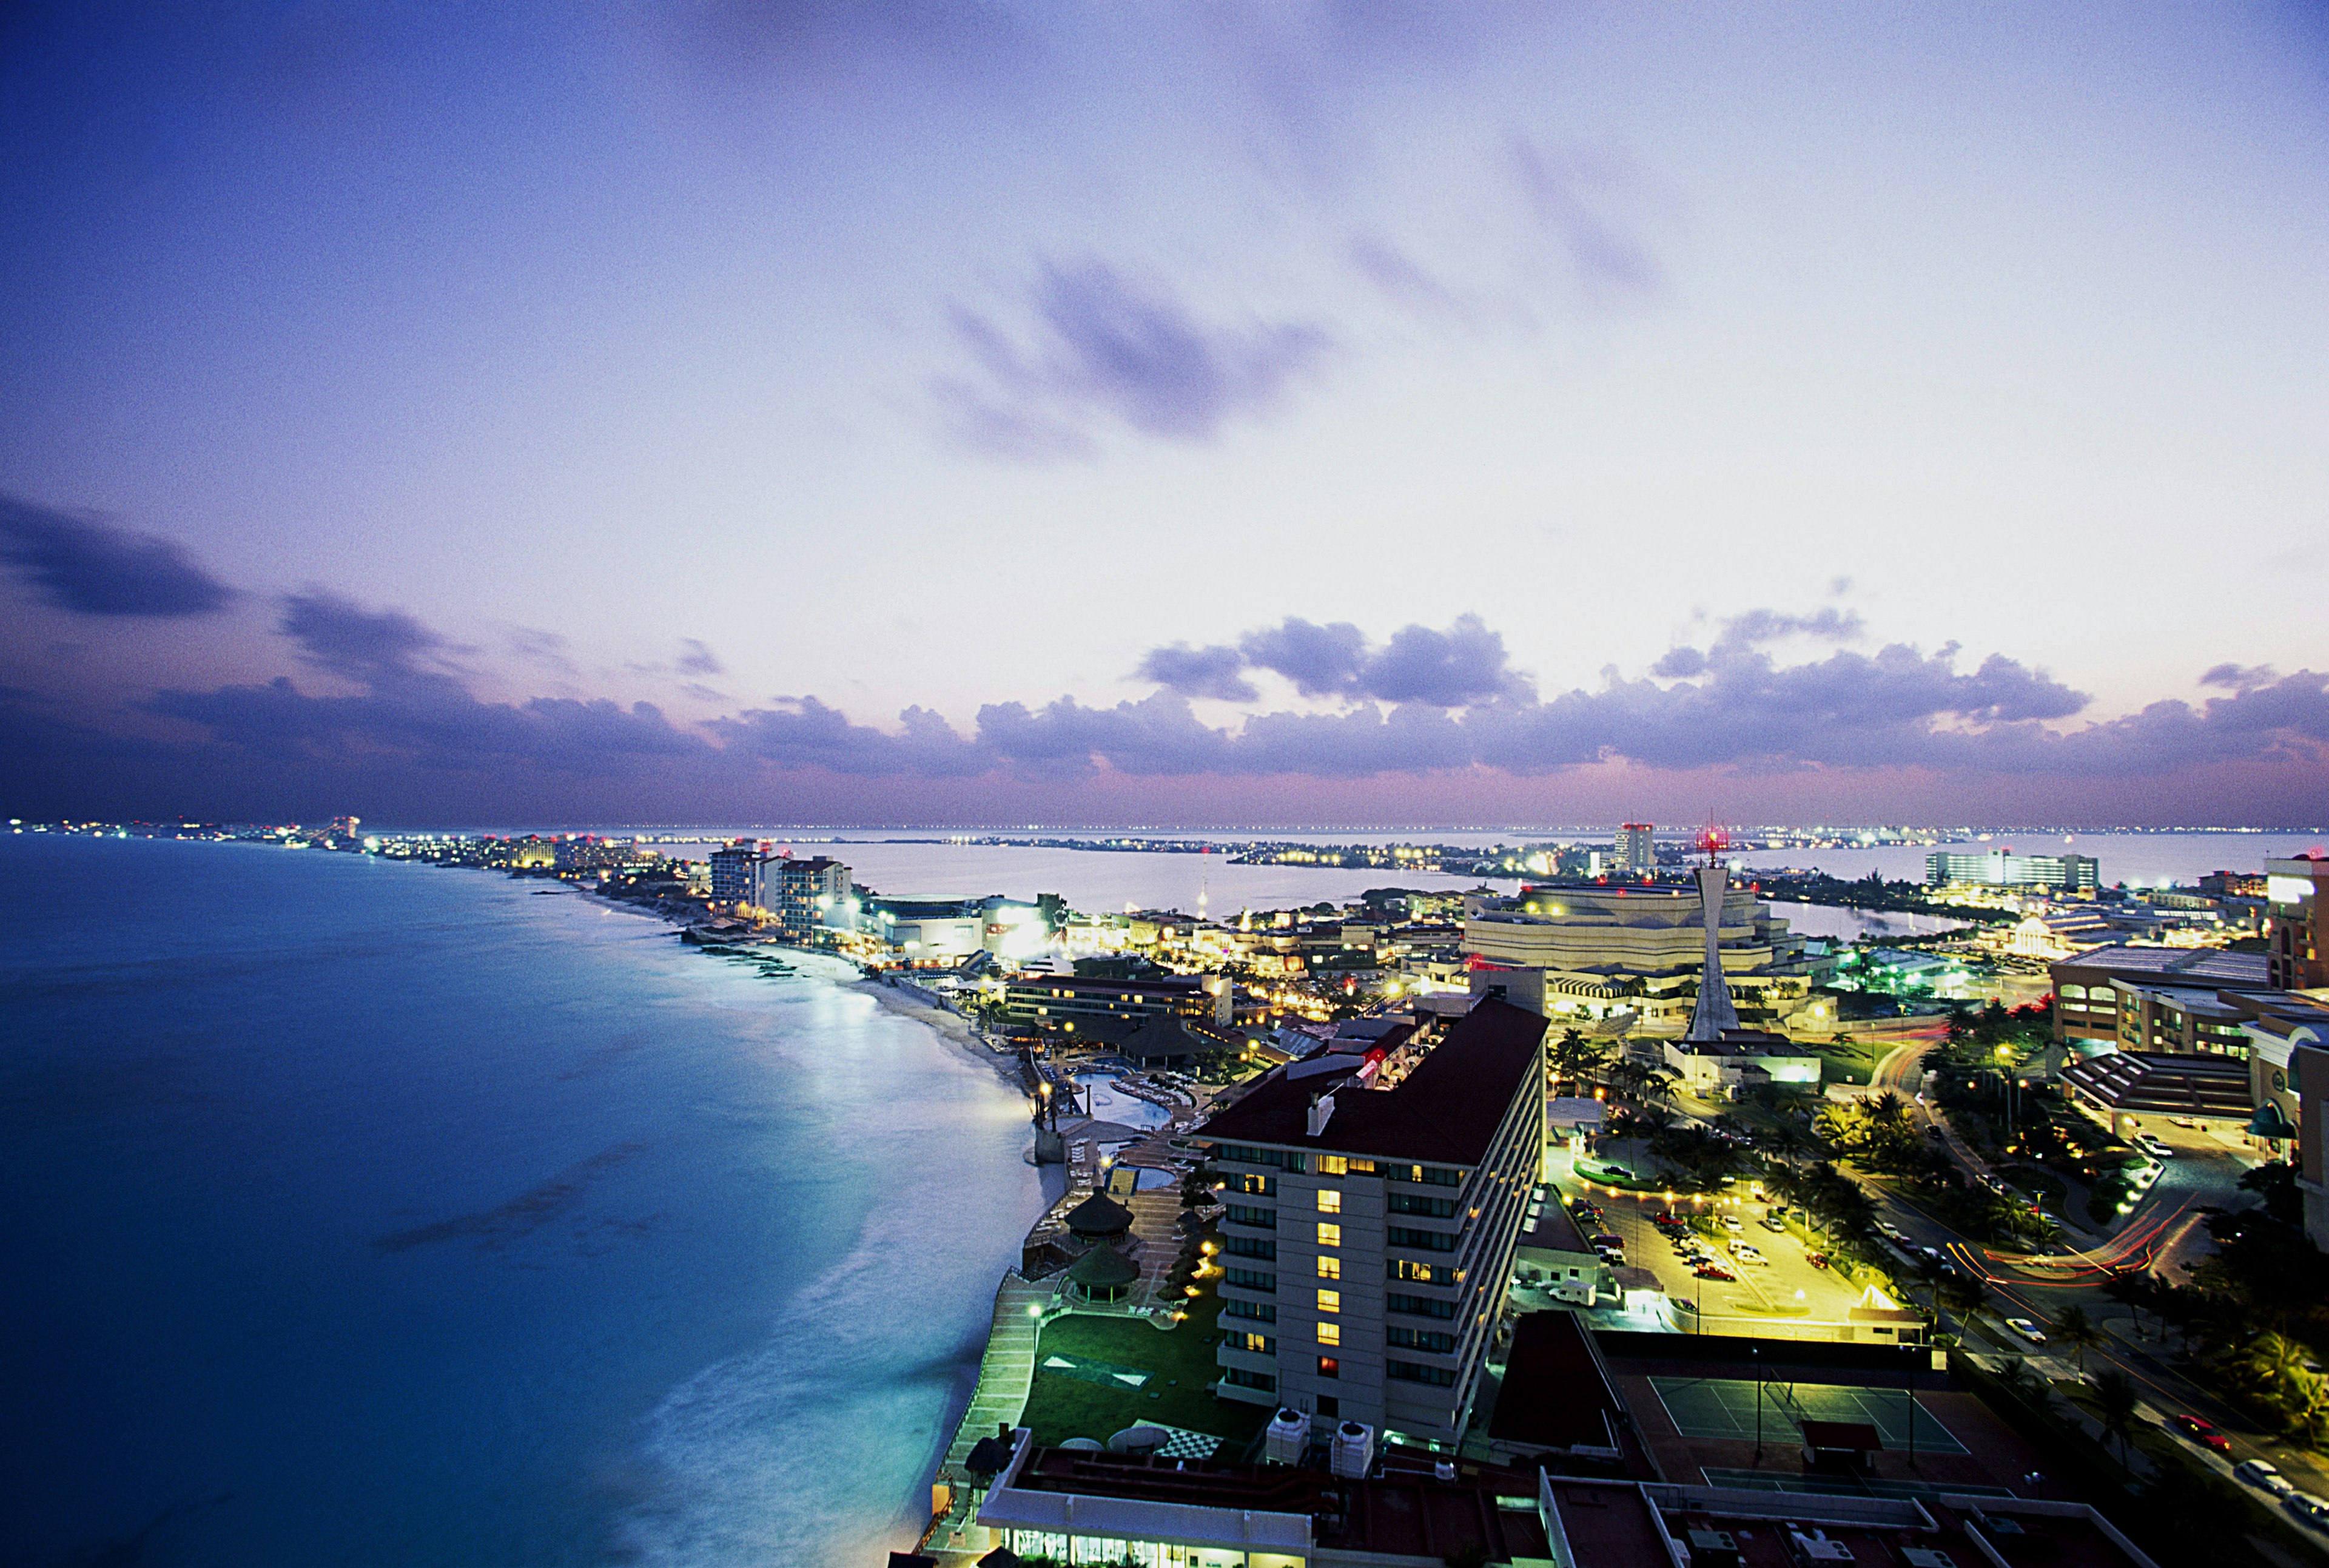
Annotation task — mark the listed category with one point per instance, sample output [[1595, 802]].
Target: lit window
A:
[[1329, 1268], [1330, 1300], [1330, 1333], [1329, 1367], [1330, 1201], [1329, 1235]]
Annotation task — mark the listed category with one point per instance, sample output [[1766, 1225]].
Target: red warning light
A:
[[1713, 838]]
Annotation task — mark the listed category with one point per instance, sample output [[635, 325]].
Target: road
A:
[[2164, 1231]]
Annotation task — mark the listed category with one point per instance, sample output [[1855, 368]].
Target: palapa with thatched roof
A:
[[1103, 1274]]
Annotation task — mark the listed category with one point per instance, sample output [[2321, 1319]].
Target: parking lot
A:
[[1765, 1298]]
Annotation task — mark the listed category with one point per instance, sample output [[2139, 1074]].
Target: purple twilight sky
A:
[[1298, 413]]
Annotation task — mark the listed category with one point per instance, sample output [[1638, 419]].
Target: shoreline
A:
[[959, 1037]]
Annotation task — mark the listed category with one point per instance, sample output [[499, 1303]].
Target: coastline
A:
[[961, 1036], [947, 1024]]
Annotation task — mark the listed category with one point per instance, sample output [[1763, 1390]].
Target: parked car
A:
[[1775, 1226], [2027, 1329], [2265, 1476], [2202, 1432], [1711, 1270], [1609, 1238], [1747, 1252], [2154, 1147], [1817, 1259], [1733, 1222], [2308, 1506], [1685, 1304]]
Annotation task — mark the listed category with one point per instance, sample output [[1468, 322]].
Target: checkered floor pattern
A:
[[1187, 1445]]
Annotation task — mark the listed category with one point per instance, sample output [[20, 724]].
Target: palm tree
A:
[[2079, 1330], [2274, 1360], [2306, 1402], [2115, 1404], [1886, 1108], [1577, 1059]]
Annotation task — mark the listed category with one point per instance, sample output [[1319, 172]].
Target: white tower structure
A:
[[1714, 1012]]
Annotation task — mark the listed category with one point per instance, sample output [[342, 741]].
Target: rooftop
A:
[[2190, 1085], [2200, 965], [1447, 1109], [1554, 1396], [1553, 1229]]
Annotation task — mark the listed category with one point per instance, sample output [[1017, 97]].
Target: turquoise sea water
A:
[[362, 1213]]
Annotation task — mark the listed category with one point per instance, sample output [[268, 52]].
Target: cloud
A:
[[372, 647], [1571, 190], [1755, 628], [81, 563], [1463, 664], [1322, 661], [1199, 672], [1098, 349], [2239, 677], [695, 659], [1424, 702], [1402, 279]]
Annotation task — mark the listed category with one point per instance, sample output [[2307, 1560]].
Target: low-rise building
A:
[[2087, 1002], [1057, 1001], [1594, 950]]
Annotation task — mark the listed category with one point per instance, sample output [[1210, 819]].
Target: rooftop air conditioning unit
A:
[[1287, 1438], [1354, 1451]]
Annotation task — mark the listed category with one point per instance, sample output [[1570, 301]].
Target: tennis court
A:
[[1717, 1407]]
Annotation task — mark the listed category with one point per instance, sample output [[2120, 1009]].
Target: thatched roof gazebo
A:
[[1099, 1218], [1103, 1274]]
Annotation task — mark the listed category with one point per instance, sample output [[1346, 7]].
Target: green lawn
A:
[[1849, 1061], [1181, 1367]]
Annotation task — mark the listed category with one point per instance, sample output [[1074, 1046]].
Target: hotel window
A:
[[1329, 1367], [1259, 1344], [1330, 1333], [1329, 1235], [1329, 1268], [1330, 1300], [1330, 1201], [1332, 1165]]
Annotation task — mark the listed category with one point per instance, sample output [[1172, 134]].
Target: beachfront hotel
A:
[[1369, 1233]]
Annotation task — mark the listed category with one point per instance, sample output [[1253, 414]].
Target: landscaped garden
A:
[[1095, 1394]]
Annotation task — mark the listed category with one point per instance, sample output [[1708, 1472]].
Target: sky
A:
[[1217, 415]]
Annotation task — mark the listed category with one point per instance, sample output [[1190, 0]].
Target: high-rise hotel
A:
[[1369, 1237]]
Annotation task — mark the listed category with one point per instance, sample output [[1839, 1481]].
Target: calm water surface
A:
[[361, 1213]]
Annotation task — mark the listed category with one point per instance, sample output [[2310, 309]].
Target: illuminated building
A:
[[808, 895], [2003, 868], [1057, 1000], [1634, 854], [1370, 1230], [1598, 950], [739, 873], [2298, 951]]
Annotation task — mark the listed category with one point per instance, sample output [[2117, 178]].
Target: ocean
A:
[[374, 1213]]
